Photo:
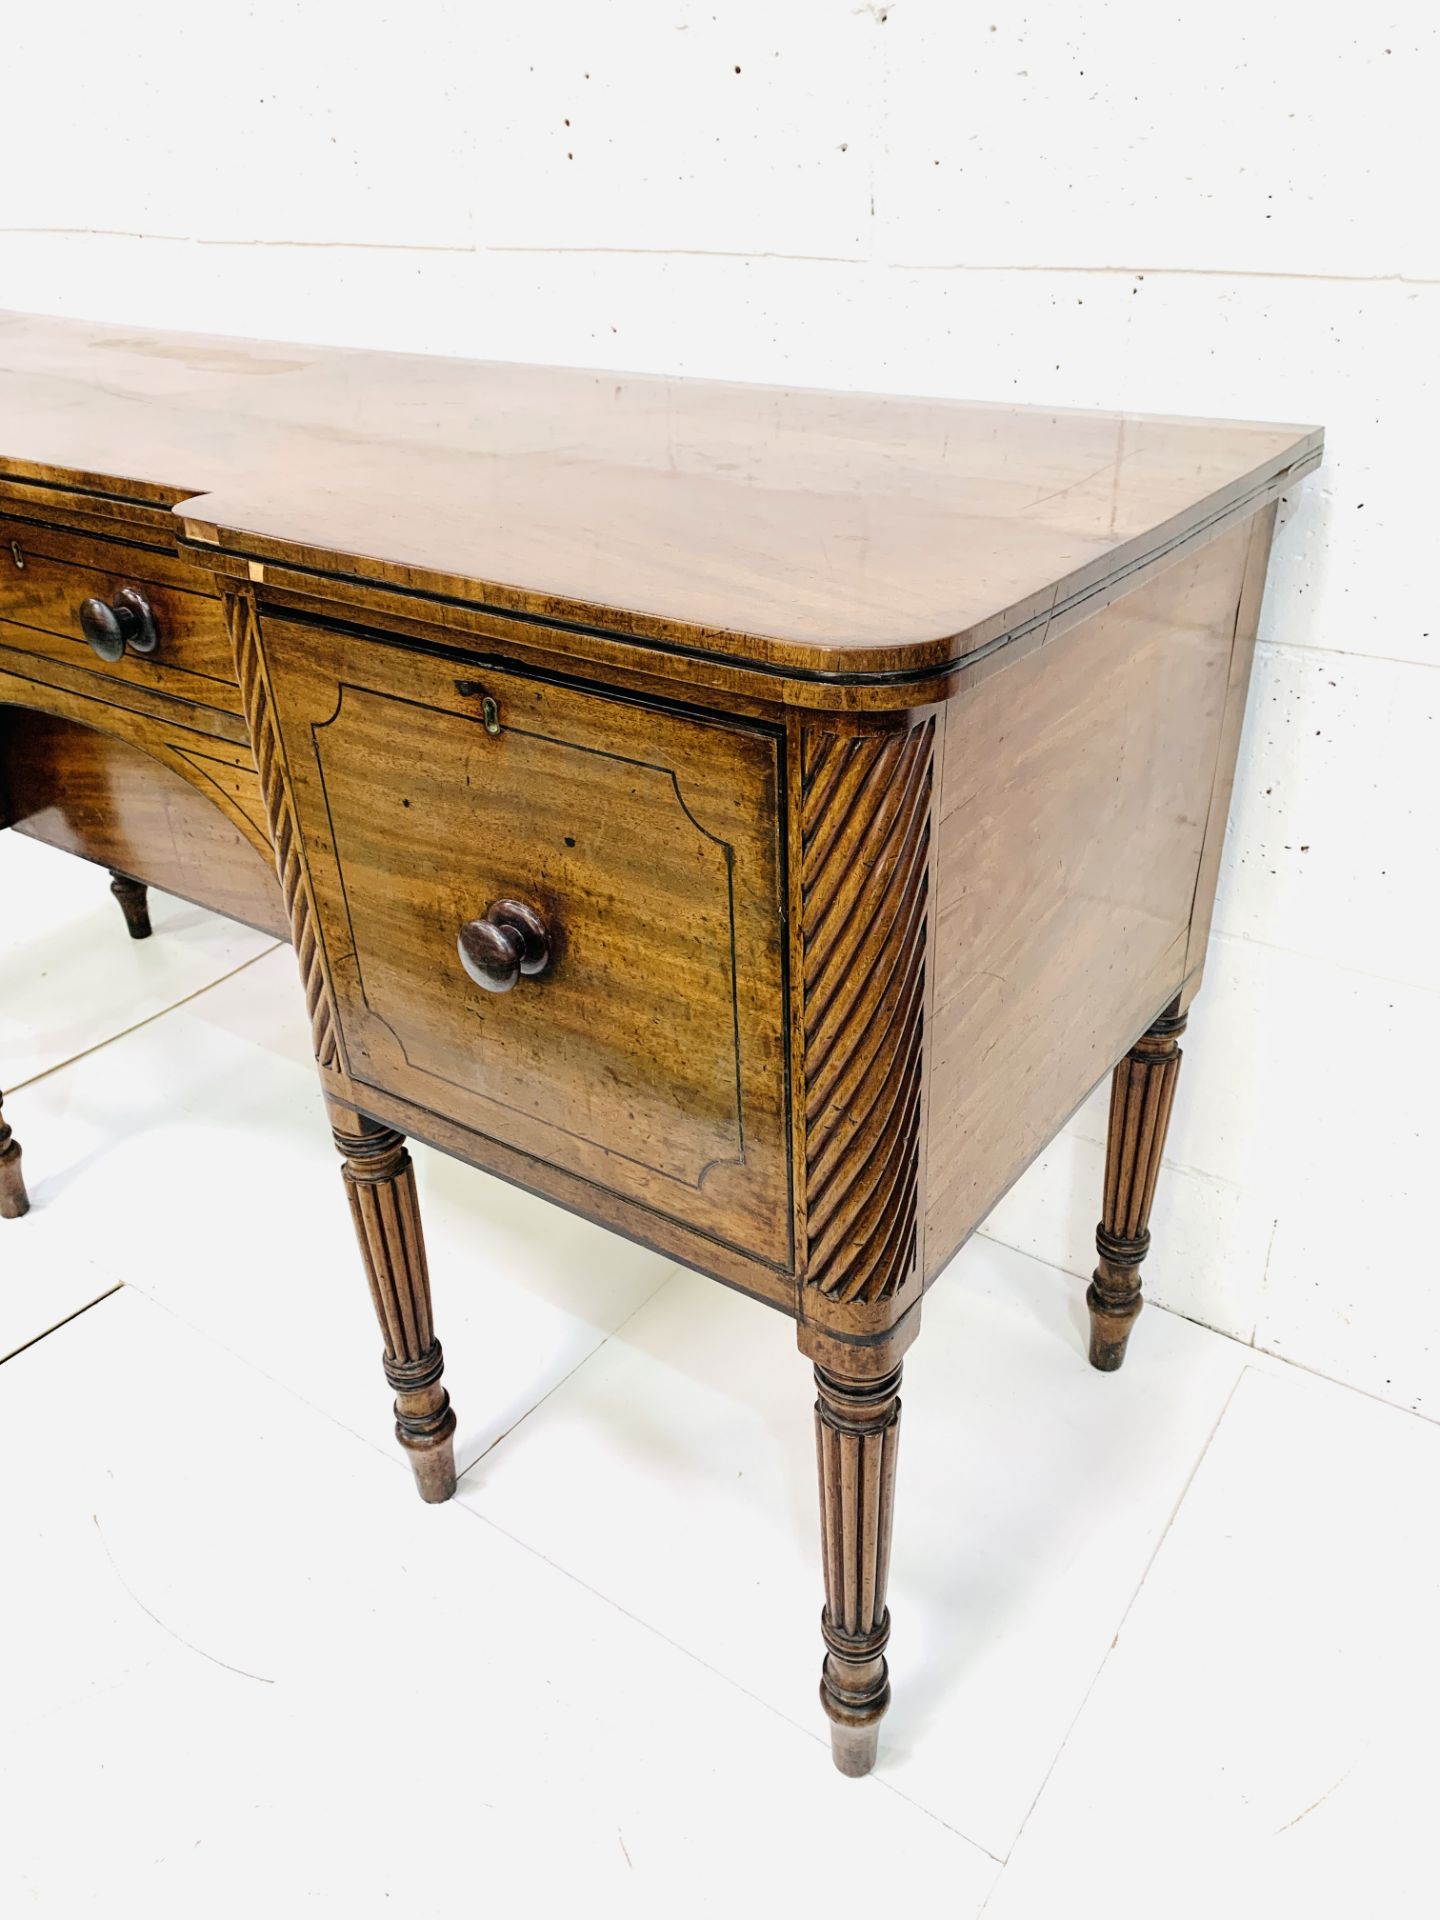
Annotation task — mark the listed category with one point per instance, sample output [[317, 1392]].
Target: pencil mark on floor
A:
[[1316, 1803], [263, 1679]]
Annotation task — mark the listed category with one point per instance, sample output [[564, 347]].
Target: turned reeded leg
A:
[[13, 1198], [133, 896], [1141, 1096], [857, 1432], [380, 1181]]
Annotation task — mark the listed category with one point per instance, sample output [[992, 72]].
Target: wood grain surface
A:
[[164, 812], [814, 532], [1075, 795]]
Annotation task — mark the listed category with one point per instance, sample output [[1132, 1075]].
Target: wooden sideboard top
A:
[[834, 534]]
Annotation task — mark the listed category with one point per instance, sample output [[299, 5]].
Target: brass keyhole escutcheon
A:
[[489, 706]]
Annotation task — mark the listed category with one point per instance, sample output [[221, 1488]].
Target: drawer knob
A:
[[511, 939], [127, 622]]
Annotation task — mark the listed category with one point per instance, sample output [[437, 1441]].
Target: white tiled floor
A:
[[71, 979], [1262, 1737], [1163, 1640], [67, 982]]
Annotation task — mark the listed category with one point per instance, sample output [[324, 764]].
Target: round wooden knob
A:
[[127, 622], [510, 939], [102, 629]]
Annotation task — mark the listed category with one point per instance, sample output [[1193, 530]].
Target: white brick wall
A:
[[1228, 210]]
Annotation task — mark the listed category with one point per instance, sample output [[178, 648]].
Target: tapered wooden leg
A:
[[857, 1432], [1141, 1096], [13, 1198], [380, 1181], [134, 900]]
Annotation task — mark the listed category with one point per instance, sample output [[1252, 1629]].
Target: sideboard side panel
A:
[[1074, 841], [1242, 656]]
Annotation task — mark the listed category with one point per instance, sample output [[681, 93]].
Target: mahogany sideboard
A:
[[753, 818]]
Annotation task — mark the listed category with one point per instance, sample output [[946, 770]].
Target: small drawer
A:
[[635, 1034], [42, 591]]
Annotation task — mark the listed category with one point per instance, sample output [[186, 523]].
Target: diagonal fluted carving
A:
[[857, 1435], [1141, 1096], [244, 629], [865, 834], [13, 1198], [380, 1181]]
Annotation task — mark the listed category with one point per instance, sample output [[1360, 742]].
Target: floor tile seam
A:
[[71, 1060], [689, 1653], [1151, 1558], [673, 1272], [35, 1339]]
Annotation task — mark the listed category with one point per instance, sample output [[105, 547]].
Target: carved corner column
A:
[[250, 671], [13, 1198], [1141, 1096], [134, 898], [380, 1181], [379, 1175], [862, 823]]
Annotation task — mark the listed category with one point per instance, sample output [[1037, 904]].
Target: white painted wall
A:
[[1226, 210]]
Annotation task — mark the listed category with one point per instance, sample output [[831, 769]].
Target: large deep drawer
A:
[[649, 1055]]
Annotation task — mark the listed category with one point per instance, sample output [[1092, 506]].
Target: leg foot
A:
[[857, 1432], [13, 1198], [1141, 1097], [1109, 1330], [133, 896], [425, 1420], [434, 1469], [380, 1181], [853, 1749]]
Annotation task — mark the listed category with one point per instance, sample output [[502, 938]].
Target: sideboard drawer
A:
[[649, 1054], [42, 591]]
